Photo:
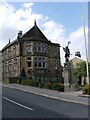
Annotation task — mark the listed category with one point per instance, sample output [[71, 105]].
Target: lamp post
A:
[[85, 44]]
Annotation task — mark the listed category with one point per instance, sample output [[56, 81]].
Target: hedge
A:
[[28, 82], [41, 85], [86, 89], [23, 82], [61, 87], [46, 85], [54, 86]]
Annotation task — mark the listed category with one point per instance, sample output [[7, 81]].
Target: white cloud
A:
[[78, 42], [28, 5], [12, 20], [56, 33]]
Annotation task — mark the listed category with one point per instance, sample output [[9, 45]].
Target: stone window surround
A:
[[55, 51], [42, 61], [56, 64], [40, 47], [10, 66], [14, 50], [28, 46], [9, 53], [29, 61], [15, 64]]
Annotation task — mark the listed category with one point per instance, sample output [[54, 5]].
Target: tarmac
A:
[[72, 96]]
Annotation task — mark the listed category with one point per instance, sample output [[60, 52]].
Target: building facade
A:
[[34, 54]]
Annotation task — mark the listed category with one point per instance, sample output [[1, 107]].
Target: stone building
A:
[[33, 53]]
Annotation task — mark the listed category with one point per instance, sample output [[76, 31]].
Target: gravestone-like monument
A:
[[67, 69]]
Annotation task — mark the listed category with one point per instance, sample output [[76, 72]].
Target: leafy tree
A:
[[80, 71]]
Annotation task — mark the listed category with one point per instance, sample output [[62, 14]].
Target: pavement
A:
[[72, 97]]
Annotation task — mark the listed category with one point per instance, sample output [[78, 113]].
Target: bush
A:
[[35, 83], [86, 89], [89, 90], [54, 86], [61, 87], [23, 82], [28, 82], [48, 85], [17, 81], [41, 85], [58, 87]]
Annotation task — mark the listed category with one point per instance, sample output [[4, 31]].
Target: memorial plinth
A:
[[67, 77]]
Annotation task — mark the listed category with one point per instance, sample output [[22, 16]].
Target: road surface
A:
[[20, 104]]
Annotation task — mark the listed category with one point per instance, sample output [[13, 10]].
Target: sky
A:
[[59, 21]]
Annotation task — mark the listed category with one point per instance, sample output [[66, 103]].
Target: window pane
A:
[[29, 48], [44, 64], [29, 58], [56, 66], [40, 64], [29, 64], [35, 48], [36, 59], [39, 48], [36, 64]]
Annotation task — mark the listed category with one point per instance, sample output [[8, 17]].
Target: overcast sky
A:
[[60, 22]]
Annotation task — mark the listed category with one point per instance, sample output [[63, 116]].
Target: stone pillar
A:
[[82, 81], [67, 77]]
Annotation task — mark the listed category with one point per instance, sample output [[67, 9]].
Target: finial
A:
[[35, 22], [9, 40]]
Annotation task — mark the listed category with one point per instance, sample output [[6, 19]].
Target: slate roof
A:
[[35, 33], [7, 45]]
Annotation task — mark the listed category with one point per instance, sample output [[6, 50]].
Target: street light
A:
[[85, 43]]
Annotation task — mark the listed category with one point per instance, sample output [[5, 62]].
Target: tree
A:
[[80, 71]]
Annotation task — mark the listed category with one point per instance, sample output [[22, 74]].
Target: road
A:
[[20, 104]]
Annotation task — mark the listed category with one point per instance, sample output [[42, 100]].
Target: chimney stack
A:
[[19, 34], [35, 22], [78, 54], [9, 40]]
